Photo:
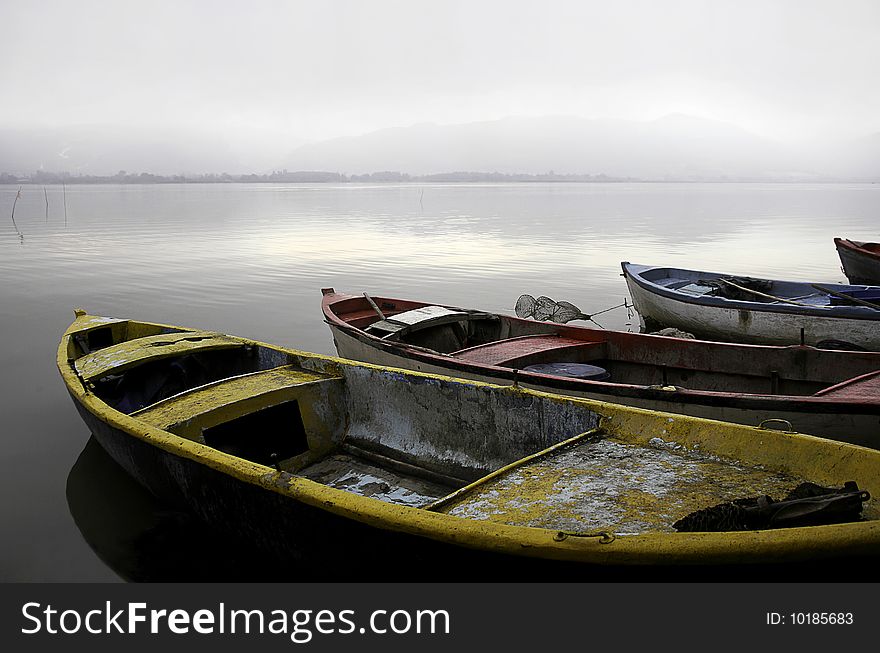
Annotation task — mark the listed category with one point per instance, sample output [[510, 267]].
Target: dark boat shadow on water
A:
[[143, 539]]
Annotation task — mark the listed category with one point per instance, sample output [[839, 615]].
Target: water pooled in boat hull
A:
[[617, 486]]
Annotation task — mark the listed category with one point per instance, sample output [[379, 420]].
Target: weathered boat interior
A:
[[615, 485], [352, 427], [873, 248], [767, 291], [864, 246], [421, 441], [762, 291], [610, 356]]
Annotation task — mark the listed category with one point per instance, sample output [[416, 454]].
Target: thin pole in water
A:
[[17, 230], [64, 190]]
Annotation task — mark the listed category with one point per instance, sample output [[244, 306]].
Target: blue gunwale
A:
[[783, 289]]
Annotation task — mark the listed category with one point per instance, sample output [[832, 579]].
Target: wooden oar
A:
[[760, 294], [856, 300], [373, 304]]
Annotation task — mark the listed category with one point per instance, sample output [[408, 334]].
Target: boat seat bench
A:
[[861, 388], [527, 350], [125, 355], [348, 471], [188, 413], [421, 318]]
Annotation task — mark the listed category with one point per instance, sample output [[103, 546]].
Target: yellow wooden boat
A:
[[285, 448]]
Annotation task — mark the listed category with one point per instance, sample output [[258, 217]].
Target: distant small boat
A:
[[834, 394], [283, 447], [764, 311], [860, 260]]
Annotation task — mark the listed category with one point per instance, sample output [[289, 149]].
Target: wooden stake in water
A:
[[46, 195], [64, 191], [17, 230]]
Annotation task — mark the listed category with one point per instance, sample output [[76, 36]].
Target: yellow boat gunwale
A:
[[765, 546]]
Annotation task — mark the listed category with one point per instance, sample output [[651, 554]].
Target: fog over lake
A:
[[678, 89]]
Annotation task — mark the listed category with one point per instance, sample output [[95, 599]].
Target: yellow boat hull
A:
[[276, 509]]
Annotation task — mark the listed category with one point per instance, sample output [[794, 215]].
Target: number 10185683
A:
[[810, 618]]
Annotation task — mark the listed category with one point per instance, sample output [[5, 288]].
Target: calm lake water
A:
[[251, 260]]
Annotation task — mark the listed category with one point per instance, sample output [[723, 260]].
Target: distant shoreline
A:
[[320, 177]]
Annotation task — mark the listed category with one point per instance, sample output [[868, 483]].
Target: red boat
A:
[[825, 392], [860, 260]]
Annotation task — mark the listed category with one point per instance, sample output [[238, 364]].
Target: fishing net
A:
[[525, 306], [806, 505], [566, 312], [547, 310]]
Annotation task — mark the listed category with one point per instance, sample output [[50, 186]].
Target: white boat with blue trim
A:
[[717, 306]]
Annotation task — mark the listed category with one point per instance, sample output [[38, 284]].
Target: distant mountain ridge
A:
[[675, 147]]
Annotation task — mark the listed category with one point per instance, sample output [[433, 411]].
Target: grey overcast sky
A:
[[314, 69]]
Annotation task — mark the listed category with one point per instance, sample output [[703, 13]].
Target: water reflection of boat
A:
[[141, 537], [401, 473]]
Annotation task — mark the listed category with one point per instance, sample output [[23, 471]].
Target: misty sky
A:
[[318, 69]]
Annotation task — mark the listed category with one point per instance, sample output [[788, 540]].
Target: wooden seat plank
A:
[[512, 349], [124, 355], [257, 390], [860, 388]]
